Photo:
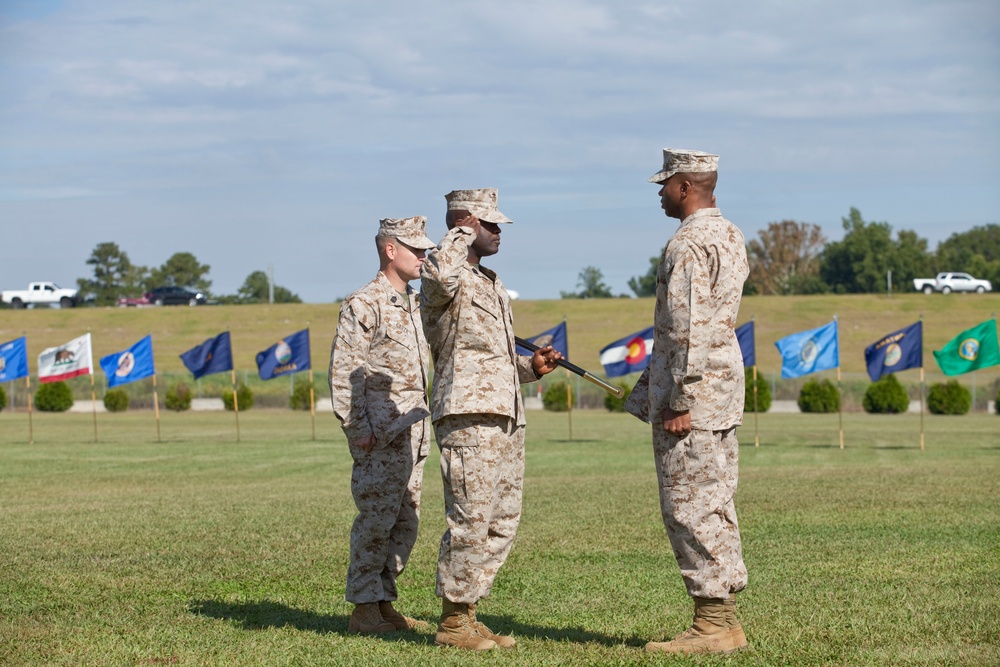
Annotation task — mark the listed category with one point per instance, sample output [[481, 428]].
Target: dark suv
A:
[[174, 296]]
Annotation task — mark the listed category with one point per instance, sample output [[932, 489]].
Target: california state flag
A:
[[66, 361]]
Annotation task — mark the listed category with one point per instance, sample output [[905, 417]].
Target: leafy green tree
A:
[[181, 270], [785, 259], [860, 261], [645, 285], [255, 290], [976, 251], [591, 284], [114, 275]]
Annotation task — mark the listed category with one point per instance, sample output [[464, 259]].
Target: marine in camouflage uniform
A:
[[692, 393], [477, 411], [378, 385]]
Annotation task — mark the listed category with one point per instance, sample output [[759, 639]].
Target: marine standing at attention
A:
[[692, 393], [477, 412], [378, 384]]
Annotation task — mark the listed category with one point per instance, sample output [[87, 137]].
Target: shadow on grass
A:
[[506, 625], [265, 614]]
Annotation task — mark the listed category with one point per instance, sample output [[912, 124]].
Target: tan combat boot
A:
[[503, 641], [456, 629], [399, 621], [735, 629], [366, 620], [710, 632]]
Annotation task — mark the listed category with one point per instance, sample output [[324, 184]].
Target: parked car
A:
[[40, 293], [175, 296], [952, 282]]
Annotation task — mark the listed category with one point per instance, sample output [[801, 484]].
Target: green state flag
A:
[[973, 348]]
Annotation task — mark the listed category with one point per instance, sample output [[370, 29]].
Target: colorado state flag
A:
[[289, 355], [133, 364], [809, 351], [628, 355], [896, 351], [556, 337], [215, 355]]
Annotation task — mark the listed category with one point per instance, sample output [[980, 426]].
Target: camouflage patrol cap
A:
[[408, 230], [680, 161], [481, 203]]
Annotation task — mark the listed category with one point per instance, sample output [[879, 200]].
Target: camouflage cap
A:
[[680, 161], [408, 230], [481, 203]]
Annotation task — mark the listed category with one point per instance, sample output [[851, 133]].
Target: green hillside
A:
[[592, 324]]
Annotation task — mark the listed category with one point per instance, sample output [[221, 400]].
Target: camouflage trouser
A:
[[385, 483], [697, 478], [482, 466]]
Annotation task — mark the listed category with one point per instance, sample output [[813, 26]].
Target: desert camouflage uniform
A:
[[478, 415], [378, 384], [696, 365]]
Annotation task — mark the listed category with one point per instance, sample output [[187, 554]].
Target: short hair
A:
[[380, 243]]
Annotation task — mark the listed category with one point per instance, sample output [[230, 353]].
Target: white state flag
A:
[[66, 361]]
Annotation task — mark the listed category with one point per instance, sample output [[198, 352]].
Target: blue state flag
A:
[[130, 365], [810, 351], [215, 355], [556, 337], [896, 351], [628, 355], [748, 348], [289, 355], [13, 359]]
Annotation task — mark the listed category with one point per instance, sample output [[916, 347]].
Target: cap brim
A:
[[496, 217], [660, 176], [424, 244]]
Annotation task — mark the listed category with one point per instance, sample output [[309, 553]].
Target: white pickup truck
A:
[[39, 293], [951, 282]]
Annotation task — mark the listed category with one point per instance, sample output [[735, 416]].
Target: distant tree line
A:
[[114, 276], [790, 257]]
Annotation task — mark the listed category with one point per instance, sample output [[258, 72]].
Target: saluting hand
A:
[[543, 361], [470, 221]]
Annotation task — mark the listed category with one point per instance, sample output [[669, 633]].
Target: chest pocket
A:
[[486, 307]]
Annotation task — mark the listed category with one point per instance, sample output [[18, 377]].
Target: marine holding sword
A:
[[477, 411]]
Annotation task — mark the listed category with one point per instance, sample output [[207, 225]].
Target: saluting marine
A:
[[692, 394], [378, 385], [477, 412]]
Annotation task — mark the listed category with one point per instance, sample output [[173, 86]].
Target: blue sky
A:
[[256, 133]]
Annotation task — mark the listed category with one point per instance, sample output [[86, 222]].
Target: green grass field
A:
[[202, 551]]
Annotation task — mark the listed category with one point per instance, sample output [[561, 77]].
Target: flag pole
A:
[[840, 391], [921, 408], [312, 401], [236, 403], [156, 408], [569, 404], [312, 392], [31, 428], [756, 434]]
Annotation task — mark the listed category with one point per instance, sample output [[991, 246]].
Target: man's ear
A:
[[390, 250]]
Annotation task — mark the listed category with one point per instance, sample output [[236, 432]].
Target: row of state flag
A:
[[810, 351], [215, 355]]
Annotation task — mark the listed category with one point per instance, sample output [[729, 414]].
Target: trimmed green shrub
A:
[[615, 404], [555, 397], [949, 398], [54, 397], [179, 397], [299, 399], [3, 398], [886, 396], [763, 393], [115, 400], [819, 396], [244, 395]]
